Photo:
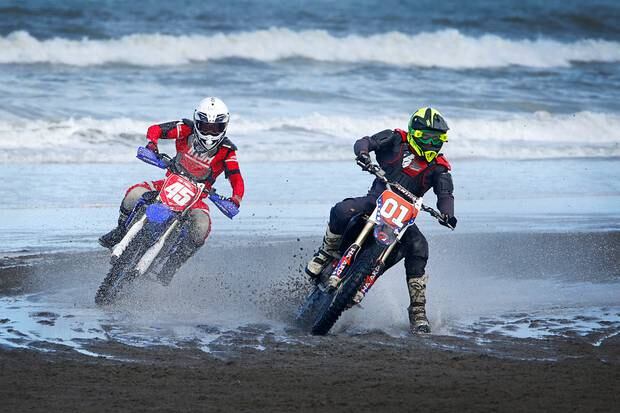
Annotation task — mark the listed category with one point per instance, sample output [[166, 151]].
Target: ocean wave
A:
[[317, 137], [446, 48]]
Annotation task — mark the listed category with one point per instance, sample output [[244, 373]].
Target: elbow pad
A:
[[361, 146], [443, 184]]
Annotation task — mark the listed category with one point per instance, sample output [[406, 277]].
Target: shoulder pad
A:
[[402, 133], [188, 122], [384, 134], [226, 143], [441, 160], [385, 137]]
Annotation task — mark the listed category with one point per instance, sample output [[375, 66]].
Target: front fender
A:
[[158, 216], [384, 234], [159, 213]]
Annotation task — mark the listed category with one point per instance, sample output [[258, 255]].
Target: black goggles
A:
[[212, 129]]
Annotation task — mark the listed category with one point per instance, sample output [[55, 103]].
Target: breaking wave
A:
[[457, 51], [318, 137]]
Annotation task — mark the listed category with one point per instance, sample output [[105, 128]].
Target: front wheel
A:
[[122, 272], [362, 266]]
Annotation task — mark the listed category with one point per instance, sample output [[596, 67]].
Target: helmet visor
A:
[[211, 129]]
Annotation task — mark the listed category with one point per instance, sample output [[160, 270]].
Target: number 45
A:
[[179, 193]]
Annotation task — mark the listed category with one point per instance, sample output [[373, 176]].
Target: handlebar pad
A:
[[227, 207]]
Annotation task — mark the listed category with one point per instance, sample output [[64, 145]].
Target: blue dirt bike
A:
[[158, 226]]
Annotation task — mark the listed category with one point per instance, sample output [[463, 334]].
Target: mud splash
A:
[[216, 306]]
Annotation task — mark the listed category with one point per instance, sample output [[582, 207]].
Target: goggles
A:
[[211, 129], [430, 137]]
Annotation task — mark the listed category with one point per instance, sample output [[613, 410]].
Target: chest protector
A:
[[411, 171]]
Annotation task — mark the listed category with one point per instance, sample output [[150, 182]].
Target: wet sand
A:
[[337, 375], [349, 370]]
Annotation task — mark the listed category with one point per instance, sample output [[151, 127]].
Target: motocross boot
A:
[[115, 236], [176, 260], [418, 321], [327, 252]]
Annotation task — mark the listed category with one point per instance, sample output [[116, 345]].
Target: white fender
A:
[[121, 246]]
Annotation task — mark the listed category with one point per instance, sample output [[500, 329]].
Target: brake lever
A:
[[435, 214], [372, 169], [362, 165]]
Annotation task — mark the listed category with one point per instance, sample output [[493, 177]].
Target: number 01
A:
[[389, 209]]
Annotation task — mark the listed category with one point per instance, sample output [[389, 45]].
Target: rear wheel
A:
[[362, 266]]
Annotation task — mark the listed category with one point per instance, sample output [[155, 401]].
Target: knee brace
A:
[[131, 198], [339, 217], [416, 254], [200, 227], [415, 268]]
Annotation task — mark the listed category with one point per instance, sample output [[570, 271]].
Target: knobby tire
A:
[[109, 289], [362, 266]]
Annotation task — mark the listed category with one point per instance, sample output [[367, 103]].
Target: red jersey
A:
[[224, 159]]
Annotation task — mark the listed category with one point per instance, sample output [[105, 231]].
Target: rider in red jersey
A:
[[204, 139]]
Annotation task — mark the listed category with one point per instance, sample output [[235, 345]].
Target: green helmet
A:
[[427, 131]]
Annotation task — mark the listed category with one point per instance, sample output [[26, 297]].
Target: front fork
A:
[[349, 255], [370, 279]]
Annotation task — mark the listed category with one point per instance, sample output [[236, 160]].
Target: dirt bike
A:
[[159, 223], [346, 280]]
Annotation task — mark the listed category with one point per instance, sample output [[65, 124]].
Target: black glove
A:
[[152, 146], [364, 158], [448, 221]]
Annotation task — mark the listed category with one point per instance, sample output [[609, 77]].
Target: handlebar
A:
[[164, 161], [379, 173], [167, 159]]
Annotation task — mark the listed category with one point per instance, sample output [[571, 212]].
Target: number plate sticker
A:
[[177, 192], [394, 210]]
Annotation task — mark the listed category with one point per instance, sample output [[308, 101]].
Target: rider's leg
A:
[[339, 217], [132, 196], [199, 228], [416, 256], [326, 252]]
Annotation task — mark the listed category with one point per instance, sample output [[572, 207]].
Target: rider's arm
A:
[[169, 130], [233, 173], [376, 142], [444, 188]]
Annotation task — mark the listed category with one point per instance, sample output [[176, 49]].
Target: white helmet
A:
[[210, 122]]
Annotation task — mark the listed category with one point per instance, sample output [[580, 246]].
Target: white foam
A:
[[449, 48], [319, 137]]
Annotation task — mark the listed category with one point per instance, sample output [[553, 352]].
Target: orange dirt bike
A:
[[345, 281]]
